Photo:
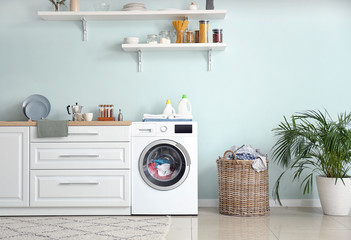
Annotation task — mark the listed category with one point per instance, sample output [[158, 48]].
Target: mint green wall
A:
[[282, 57]]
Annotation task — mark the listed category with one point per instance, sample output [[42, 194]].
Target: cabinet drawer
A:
[[80, 155], [74, 188], [88, 134]]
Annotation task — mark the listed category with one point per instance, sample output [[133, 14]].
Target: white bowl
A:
[[131, 40]]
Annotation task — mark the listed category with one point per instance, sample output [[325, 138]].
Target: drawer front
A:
[[143, 129], [88, 134], [80, 155], [74, 188]]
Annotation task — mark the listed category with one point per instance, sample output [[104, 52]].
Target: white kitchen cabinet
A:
[[80, 188], [110, 155], [14, 166], [86, 173], [88, 134]]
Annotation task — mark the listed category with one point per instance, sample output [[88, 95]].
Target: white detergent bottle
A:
[[169, 110], [184, 106]]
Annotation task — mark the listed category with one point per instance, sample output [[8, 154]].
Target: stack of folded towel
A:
[[166, 118]]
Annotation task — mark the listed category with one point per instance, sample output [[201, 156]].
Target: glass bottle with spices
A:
[[204, 24], [217, 35], [189, 37], [197, 36]]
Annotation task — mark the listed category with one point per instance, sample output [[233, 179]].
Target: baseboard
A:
[[272, 203]]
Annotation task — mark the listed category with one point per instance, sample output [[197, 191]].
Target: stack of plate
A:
[[134, 7], [36, 107]]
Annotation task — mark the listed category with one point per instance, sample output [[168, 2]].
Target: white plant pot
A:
[[335, 198]]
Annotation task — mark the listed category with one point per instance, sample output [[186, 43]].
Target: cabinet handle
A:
[[145, 130], [83, 133], [79, 155], [79, 183]]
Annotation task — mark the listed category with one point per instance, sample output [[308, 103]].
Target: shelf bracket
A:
[[84, 24], [139, 60], [209, 60]]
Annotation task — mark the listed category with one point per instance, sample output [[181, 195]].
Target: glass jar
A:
[[180, 36], [189, 37], [165, 37], [152, 38], [204, 31], [217, 35], [197, 36]]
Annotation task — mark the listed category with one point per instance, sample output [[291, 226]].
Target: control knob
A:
[[163, 128]]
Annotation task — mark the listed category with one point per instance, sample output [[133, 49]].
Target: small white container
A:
[[131, 40]]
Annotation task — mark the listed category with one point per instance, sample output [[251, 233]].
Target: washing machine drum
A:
[[164, 164]]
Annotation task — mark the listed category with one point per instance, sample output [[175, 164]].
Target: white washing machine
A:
[[164, 168]]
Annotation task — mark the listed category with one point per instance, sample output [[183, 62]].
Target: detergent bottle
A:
[[169, 110], [184, 106]]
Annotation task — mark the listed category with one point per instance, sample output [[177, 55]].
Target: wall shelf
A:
[[85, 16], [209, 47], [132, 15]]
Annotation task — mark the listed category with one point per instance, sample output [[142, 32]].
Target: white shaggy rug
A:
[[85, 227]]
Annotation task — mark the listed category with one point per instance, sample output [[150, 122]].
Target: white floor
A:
[[282, 223]]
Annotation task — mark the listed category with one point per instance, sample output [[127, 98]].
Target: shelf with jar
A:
[[185, 41], [85, 16]]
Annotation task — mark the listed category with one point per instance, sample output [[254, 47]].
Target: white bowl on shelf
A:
[[131, 40]]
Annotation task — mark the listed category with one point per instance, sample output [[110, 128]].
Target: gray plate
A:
[[36, 107]]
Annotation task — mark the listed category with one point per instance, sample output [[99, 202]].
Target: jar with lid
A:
[[204, 24], [197, 36], [165, 37], [152, 38], [189, 37], [217, 35]]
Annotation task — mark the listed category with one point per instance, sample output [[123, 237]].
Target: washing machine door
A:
[[164, 164]]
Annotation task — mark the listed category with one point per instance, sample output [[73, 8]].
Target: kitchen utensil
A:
[[217, 35], [106, 112], [88, 116], [193, 6], [78, 117], [180, 27], [75, 109], [165, 37], [131, 40], [152, 39], [36, 107], [204, 31], [74, 5], [134, 7]]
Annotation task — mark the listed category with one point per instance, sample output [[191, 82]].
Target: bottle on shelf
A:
[[120, 115]]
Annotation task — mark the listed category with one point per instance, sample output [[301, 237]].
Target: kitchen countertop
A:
[[70, 123]]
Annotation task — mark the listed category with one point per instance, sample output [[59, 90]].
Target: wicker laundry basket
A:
[[242, 190]]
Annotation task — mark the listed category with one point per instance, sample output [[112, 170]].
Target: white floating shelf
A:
[[174, 47], [132, 15], [144, 47]]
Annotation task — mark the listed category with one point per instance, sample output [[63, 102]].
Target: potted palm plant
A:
[[313, 144]]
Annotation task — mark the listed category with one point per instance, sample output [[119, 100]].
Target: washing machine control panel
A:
[[163, 129]]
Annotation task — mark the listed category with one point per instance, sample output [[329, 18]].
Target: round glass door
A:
[[164, 164]]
